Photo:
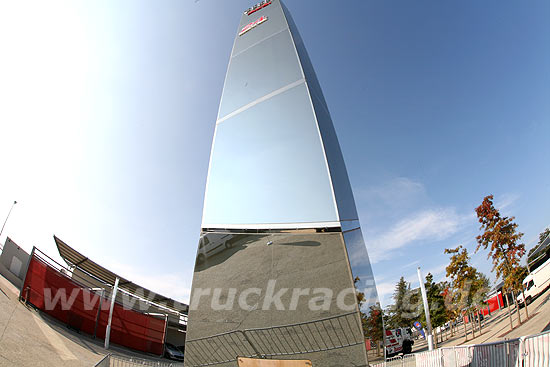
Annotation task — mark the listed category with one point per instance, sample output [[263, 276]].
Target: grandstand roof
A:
[[76, 259]]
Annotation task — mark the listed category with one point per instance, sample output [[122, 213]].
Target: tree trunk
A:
[[452, 329], [473, 324], [479, 320], [509, 310], [517, 307], [525, 301], [464, 323]]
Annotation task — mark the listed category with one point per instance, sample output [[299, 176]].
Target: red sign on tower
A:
[[257, 7], [249, 26]]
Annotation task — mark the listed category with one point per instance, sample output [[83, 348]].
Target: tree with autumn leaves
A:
[[501, 237], [372, 322], [468, 286]]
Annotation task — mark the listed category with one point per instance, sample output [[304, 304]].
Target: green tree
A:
[[447, 294], [468, 287], [436, 303], [405, 306], [462, 276], [501, 238], [482, 288]]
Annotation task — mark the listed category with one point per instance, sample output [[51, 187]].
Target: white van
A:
[[394, 341], [536, 282], [211, 244]]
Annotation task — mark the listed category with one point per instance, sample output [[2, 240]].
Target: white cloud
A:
[[411, 263], [396, 191], [504, 202], [386, 289], [173, 285], [438, 271], [385, 292], [428, 225]]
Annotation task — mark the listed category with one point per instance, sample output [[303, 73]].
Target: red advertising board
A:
[[62, 298]]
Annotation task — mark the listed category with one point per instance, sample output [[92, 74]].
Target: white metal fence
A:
[[535, 350], [408, 360], [113, 360], [527, 351]]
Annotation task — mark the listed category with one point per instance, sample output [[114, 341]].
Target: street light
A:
[[2, 230], [426, 311]]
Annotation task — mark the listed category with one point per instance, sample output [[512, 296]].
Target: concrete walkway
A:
[[497, 326], [27, 339], [31, 338]]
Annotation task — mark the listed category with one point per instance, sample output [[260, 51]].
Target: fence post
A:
[[252, 345], [508, 354], [521, 352], [456, 357], [164, 336]]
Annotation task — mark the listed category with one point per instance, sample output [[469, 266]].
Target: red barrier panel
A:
[[367, 344], [494, 302], [61, 297]]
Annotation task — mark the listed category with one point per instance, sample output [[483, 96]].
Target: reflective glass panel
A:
[[268, 166]]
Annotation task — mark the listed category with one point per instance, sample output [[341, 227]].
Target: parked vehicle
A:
[[536, 283], [394, 340], [211, 244], [172, 352]]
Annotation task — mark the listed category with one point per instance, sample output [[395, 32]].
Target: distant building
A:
[[540, 255]]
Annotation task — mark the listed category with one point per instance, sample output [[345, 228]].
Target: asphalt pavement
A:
[[496, 327], [31, 338]]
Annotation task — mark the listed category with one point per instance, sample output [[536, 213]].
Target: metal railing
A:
[[94, 285], [408, 360], [535, 350], [114, 360], [527, 351], [294, 339]]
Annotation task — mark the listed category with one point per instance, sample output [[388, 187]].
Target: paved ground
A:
[[30, 338], [497, 326]]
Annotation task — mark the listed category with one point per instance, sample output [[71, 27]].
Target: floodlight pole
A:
[[429, 337], [108, 331], [2, 230]]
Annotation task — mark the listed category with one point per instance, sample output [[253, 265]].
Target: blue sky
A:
[[108, 111]]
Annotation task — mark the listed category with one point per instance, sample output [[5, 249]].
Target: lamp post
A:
[[426, 311], [2, 230]]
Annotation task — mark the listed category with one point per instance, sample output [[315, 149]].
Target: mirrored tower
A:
[[282, 271]]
